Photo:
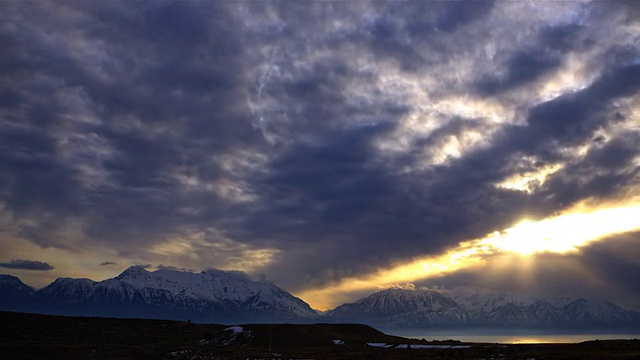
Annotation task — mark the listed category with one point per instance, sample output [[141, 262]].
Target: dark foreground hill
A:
[[32, 336], [35, 336]]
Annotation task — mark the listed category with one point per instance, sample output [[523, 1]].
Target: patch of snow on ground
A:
[[232, 333], [178, 352], [236, 329], [404, 346], [384, 345], [338, 342]]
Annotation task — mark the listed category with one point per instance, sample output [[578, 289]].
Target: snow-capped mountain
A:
[[14, 293], [399, 306], [587, 311], [231, 297], [476, 307], [211, 296], [66, 290], [486, 300], [218, 286]]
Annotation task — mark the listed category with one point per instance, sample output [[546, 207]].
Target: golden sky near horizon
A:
[[561, 234]]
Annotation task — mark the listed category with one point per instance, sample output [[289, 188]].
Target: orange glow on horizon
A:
[[565, 233]]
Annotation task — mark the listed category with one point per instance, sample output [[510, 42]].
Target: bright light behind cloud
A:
[[564, 233], [561, 234], [570, 78], [528, 181]]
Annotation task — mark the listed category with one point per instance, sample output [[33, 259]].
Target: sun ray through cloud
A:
[[564, 233]]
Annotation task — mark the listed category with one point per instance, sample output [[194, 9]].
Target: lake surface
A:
[[514, 337]]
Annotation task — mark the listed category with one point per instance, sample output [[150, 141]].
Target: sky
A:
[[333, 148]]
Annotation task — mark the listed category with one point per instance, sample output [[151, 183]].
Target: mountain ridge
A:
[[486, 310], [210, 296], [232, 297]]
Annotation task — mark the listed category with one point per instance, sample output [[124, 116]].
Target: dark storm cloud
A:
[[615, 263], [368, 208], [565, 37], [536, 60], [605, 172], [459, 201], [26, 265], [384, 30], [41, 178], [575, 117], [175, 74], [396, 30], [522, 68], [257, 126], [551, 127]]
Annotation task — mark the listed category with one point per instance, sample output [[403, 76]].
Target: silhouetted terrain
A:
[[32, 336]]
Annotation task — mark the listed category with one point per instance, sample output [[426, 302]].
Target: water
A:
[[514, 337]]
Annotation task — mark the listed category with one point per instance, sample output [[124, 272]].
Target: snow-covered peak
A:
[[238, 275], [212, 294], [71, 282], [272, 298], [596, 309], [9, 279], [216, 285], [133, 272], [11, 282], [392, 300], [73, 289], [212, 284], [406, 294], [477, 306], [477, 298]]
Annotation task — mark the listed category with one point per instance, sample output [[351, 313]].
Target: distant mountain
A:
[[216, 296], [401, 307], [211, 296], [473, 307], [14, 293]]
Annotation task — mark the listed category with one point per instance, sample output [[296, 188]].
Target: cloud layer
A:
[[308, 141]]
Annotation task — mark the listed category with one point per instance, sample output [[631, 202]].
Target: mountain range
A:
[[216, 296], [472, 307], [211, 296]]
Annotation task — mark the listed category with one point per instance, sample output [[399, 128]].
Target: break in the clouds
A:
[[26, 265], [311, 142]]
